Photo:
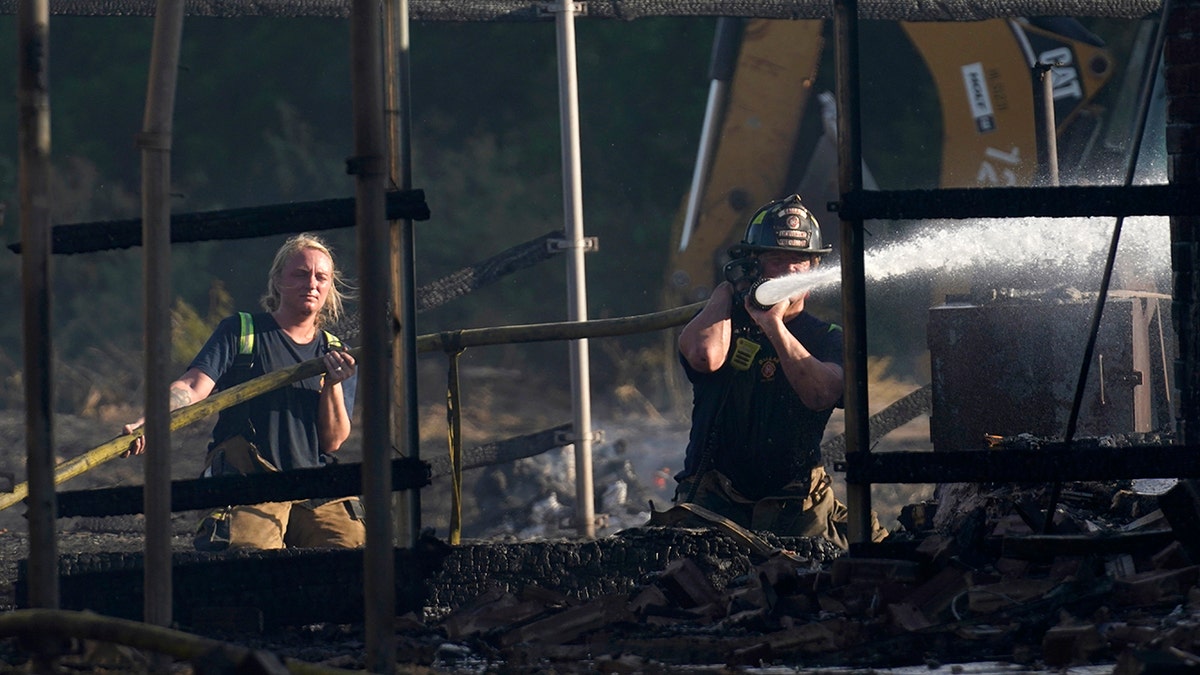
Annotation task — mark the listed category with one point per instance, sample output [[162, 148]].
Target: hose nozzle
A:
[[753, 295]]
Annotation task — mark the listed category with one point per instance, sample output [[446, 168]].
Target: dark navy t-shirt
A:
[[758, 432], [281, 423]]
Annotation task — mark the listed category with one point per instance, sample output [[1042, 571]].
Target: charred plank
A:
[[243, 223], [1052, 462], [339, 480]]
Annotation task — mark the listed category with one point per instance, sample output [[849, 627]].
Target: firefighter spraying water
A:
[[765, 382]]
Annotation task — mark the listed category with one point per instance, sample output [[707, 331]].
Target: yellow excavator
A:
[[989, 92]]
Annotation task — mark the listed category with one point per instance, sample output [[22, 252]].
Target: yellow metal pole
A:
[[454, 433]]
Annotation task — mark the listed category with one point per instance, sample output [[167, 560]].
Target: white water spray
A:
[[1050, 249]]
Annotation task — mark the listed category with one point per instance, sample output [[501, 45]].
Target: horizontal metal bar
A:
[[1022, 466], [337, 480], [1067, 201]]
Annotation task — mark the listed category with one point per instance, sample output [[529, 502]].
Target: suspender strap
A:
[[246, 336], [246, 339]]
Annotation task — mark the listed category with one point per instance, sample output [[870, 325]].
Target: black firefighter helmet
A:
[[783, 225]]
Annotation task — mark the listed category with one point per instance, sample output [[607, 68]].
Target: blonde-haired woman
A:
[[293, 427]]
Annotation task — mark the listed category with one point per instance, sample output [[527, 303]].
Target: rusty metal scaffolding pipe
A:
[[155, 144], [369, 167], [33, 110], [406, 432]]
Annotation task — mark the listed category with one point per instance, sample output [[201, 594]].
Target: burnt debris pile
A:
[[975, 574]]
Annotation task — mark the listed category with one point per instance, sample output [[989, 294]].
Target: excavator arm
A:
[[988, 93]]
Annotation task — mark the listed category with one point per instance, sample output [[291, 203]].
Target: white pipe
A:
[[585, 515], [708, 143]]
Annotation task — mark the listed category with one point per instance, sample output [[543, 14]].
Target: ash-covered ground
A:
[[529, 500]]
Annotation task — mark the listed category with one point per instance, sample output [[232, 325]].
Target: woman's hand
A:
[[138, 445], [339, 366]]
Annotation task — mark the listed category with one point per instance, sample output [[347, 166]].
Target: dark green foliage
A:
[[263, 116]]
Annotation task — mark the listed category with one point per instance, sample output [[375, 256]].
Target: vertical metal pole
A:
[[374, 237], [724, 60], [33, 111], [406, 505], [155, 144], [854, 306], [568, 99], [454, 427], [1049, 125]]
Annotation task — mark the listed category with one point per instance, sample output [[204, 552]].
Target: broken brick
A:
[[687, 585], [1067, 645], [570, 623], [814, 638], [1155, 586], [1120, 566], [937, 549], [1171, 557], [907, 617], [935, 595], [869, 570], [648, 597], [991, 597]]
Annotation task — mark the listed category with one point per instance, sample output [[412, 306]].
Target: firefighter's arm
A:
[[194, 385], [818, 384], [704, 341], [333, 420]]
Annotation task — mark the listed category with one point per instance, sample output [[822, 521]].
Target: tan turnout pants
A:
[[306, 523], [296, 525], [802, 509]]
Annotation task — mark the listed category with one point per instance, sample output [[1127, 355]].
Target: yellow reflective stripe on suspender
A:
[[246, 340]]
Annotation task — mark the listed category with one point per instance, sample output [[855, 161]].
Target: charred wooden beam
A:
[[897, 414], [338, 480], [626, 10], [1052, 462], [243, 223], [1047, 546], [505, 451], [290, 586], [1019, 202], [469, 279]]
